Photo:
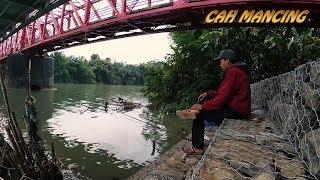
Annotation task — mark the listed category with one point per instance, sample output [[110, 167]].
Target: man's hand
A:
[[196, 107], [203, 95]]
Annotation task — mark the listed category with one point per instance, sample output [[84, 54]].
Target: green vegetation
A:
[[79, 70], [190, 69]]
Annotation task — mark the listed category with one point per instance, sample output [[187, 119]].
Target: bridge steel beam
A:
[[84, 21]]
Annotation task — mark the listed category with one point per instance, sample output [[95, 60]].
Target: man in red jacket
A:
[[231, 100]]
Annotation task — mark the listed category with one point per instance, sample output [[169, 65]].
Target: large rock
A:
[[264, 176], [244, 168], [180, 155], [189, 174], [302, 73], [177, 164], [191, 161], [150, 178], [259, 113], [310, 96], [286, 90], [306, 121], [315, 73], [264, 165], [165, 171], [246, 154], [269, 139], [281, 113], [310, 150], [284, 147], [260, 94], [214, 169], [289, 168]]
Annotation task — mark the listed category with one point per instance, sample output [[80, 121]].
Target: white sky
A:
[[131, 50]]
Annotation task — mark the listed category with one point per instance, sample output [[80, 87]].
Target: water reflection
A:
[[95, 144], [101, 130]]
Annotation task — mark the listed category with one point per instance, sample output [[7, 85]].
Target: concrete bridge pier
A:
[[42, 71]]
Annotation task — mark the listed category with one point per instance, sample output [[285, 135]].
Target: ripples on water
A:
[[92, 143]]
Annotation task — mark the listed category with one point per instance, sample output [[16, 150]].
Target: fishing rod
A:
[[154, 124]]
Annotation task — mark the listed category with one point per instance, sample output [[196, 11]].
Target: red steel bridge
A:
[[30, 26]]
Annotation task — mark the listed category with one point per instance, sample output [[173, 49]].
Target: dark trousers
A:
[[217, 116]]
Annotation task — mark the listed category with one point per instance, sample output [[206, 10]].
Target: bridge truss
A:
[[77, 22]]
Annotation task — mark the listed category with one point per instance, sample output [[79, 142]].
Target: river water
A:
[[92, 143]]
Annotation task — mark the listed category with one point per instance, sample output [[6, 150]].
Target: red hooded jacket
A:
[[234, 91]]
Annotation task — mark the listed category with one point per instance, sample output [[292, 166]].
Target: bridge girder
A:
[[77, 22]]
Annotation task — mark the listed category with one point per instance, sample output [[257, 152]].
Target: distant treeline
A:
[[71, 69]]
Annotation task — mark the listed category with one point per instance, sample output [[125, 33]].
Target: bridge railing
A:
[[76, 15]]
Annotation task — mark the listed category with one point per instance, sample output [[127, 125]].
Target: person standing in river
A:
[[31, 116], [231, 100]]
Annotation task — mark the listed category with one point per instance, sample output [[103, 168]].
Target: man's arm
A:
[[224, 93], [211, 93]]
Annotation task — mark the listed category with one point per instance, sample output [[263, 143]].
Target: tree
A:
[[79, 70], [190, 69], [61, 74]]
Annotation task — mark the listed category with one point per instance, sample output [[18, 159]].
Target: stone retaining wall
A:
[[292, 102], [248, 149]]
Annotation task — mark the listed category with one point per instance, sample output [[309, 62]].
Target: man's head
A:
[[226, 58], [30, 100], [225, 63]]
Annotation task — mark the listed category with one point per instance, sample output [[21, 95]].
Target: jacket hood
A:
[[243, 66]]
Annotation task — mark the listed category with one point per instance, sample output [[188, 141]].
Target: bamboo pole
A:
[[21, 167], [13, 142], [9, 155], [36, 149], [5, 96], [39, 164], [153, 147], [16, 140], [29, 77], [53, 152], [11, 131], [29, 94], [4, 91], [20, 137]]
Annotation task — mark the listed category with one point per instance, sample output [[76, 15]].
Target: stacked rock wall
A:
[[292, 102], [249, 149]]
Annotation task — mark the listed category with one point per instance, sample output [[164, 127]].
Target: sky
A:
[[131, 50]]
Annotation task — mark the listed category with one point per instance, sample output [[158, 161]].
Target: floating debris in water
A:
[[73, 166]]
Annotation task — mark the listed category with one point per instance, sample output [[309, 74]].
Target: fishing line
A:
[[144, 122]]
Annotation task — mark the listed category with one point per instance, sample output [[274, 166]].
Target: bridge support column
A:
[[42, 71]]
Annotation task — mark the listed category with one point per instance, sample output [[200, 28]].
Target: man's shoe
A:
[[190, 150]]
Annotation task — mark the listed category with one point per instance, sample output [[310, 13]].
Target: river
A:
[[94, 144]]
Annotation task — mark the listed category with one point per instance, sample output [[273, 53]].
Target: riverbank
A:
[[174, 163], [240, 149]]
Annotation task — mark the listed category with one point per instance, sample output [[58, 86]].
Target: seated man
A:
[[231, 100]]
